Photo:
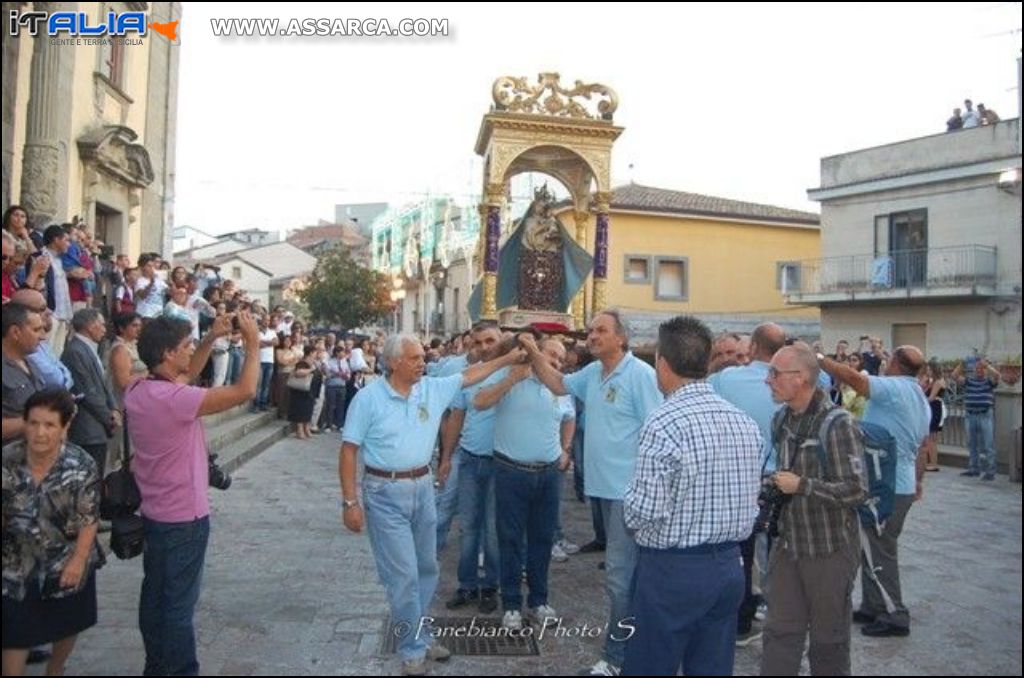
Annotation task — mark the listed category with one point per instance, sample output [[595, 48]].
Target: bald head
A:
[[30, 299], [766, 341], [907, 361]]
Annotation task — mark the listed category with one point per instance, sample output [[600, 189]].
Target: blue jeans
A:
[[476, 522], [979, 442], [447, 501], [527, 510], [263, 390], [401, 521], [619, 563], [173, 568], [334, 405], [234, 365], [684, 606]]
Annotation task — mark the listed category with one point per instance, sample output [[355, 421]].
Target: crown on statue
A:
[[542, 194]]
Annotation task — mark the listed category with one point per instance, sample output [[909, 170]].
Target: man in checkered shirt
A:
[[691, 501]]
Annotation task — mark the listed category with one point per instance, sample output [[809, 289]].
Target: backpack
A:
[[878, 466]]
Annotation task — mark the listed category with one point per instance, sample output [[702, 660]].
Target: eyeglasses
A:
[[774, 373]]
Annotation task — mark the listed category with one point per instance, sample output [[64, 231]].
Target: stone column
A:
[[578, 302], [603, 205], [492, 236], [11, 49], [44, 175]]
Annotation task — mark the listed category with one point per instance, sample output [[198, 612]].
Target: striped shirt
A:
[[821, 517], [979, 395], [698, 473]]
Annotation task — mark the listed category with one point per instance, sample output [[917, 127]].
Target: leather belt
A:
[[529, 467], [398, 475]]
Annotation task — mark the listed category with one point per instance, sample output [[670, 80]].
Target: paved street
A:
[[288, 591]]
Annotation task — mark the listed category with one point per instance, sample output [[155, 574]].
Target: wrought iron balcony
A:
[[941, 272]]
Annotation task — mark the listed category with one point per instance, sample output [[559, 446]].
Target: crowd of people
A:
[[676, 455], [968, 117]]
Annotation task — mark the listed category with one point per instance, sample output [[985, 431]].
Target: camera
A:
[[219, 479], [770, 501]]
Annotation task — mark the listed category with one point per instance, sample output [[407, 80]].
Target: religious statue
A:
[[540, 266]]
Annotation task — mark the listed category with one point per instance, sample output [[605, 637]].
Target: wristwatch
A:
[[349, 503]]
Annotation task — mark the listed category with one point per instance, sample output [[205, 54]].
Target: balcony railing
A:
[[967, 270]]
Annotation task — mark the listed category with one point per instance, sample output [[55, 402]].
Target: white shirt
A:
[[267, 352], [61, 294]]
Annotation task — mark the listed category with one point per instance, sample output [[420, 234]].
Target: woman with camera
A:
[[50, 553]]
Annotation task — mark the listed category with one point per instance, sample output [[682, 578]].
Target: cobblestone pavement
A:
[[287, 591]]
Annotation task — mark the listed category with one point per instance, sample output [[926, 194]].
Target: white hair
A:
[[394, 346]]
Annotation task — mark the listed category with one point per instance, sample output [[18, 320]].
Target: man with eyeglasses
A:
[[814, 559], [897, 404]]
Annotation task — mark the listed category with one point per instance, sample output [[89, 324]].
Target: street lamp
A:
[[397, 295], [439, 278]]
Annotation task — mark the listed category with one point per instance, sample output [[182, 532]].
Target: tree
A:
[[340, 291]]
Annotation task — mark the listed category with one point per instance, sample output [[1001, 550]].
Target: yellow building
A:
[[726, 261], [89, 121]]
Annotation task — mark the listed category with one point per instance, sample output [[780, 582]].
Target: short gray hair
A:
[[622, 327], [394, 346], [85, 317]]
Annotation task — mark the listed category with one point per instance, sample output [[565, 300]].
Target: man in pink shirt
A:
[[170, 465]]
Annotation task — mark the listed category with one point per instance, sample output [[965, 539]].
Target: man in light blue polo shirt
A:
[[745, 388], [447, 497], [533, 430], [473, 483], [394, 423], [897, 403], [619, 391]]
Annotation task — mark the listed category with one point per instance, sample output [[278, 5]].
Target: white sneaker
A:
[[542, 615], [569, 547], [512, 620], [602, 668], [438, 652], [558, 554]]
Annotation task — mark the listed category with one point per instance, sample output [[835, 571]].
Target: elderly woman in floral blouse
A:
[[50, 553]]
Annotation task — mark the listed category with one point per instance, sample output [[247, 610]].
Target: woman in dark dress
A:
[[300, 403], [935, 390], [50, 553]]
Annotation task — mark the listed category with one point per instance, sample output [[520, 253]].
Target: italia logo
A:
[[78, 24]]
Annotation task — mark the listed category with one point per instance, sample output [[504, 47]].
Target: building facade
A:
[[89, 130]]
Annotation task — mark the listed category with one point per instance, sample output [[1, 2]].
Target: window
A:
[[112, 63], [787, 276], [672, 276], [236, 272], [637, 269]]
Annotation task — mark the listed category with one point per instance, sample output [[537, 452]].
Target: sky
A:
[[732, 100]]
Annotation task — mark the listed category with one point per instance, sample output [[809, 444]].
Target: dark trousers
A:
[[684, 611], [885, 555], [748, 608], [526, 506], [809, 596], [173, 568]]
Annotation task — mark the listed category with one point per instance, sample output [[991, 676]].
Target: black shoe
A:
[[600, 565], [39, 656], [881, 629], [462, 598], [970, 474], [488, 601], [863, 617], [592, 547]]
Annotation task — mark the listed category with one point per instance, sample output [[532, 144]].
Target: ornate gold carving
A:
[[577, 309], [495, 196], [600, 301], [603, 201], [489, 308], [548, 97]]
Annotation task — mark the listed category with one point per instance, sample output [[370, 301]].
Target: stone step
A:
[[212, 420], [233, 428], [234, 454]]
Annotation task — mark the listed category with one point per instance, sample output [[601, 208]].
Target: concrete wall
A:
[[252, 280], [950, 149], [953, 329]]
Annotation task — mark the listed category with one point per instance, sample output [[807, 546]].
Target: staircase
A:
[[237, 435]]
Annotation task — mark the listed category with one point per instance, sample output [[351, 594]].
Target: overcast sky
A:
[[736, 101]]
